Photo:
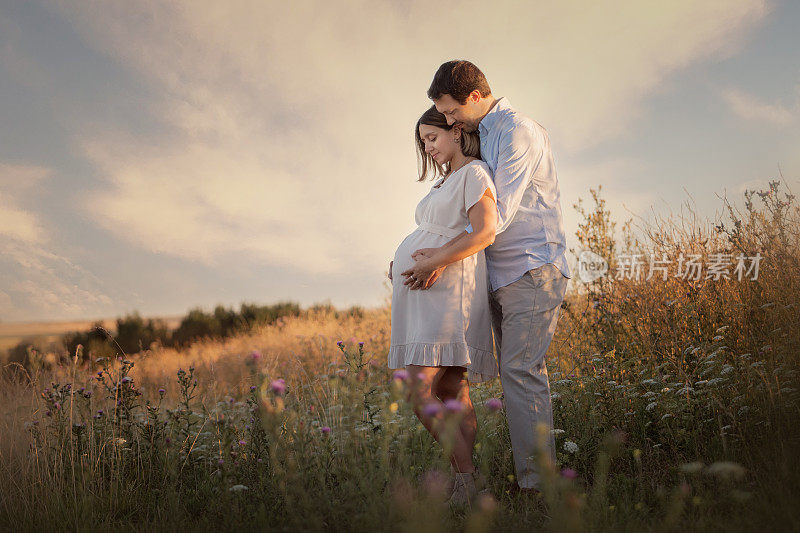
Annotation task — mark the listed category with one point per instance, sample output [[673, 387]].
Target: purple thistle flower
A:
[[255, 355], [325, 429], [340, 344], [252, 388], [242, 443], [454, 406], [431, 409], [278, 386], [400, 375], [162, 392], [494, 404], [569, 473]]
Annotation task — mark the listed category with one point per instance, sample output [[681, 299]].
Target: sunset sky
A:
[[157, 156]]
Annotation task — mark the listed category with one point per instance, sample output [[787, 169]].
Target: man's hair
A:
[[458, 78]]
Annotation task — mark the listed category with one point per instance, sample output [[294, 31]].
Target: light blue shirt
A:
[[530, 231]]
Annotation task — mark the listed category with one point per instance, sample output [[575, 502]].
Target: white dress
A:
[[448, 324]]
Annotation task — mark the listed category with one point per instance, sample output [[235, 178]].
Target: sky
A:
[[159, 156]]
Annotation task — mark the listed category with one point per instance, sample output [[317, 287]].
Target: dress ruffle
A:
[[481, 365]]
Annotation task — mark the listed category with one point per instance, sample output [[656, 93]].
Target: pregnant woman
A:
[[441, 332]]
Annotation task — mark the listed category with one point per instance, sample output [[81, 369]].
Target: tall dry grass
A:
[[676, 407]]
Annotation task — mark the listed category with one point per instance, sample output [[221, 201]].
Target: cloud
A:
[[18, 183], [285, 127], [749, 107], [37, 283]]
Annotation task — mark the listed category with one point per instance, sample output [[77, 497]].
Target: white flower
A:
[[570, 447], [726, 469], [651, 406], [557, 431], [238, 488], [691, 468], [668, 415]]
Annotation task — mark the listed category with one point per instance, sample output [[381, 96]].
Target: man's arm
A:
[[483, 217], [521, 151]]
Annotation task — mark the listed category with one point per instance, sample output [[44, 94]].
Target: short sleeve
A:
[[476, 181]]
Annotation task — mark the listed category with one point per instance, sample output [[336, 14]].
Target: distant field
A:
[[12, 333]]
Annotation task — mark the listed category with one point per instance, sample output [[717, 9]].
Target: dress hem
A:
[[481, 365]]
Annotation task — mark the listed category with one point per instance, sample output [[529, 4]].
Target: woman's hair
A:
[[470, 145]]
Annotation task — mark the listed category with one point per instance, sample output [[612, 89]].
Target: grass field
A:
[[676, 407]]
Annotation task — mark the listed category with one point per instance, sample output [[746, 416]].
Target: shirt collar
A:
[[493, 115]]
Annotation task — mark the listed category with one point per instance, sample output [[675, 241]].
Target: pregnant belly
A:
[[416, 240]]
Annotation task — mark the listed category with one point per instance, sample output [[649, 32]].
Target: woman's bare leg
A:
[[453, 385], [423, 382]]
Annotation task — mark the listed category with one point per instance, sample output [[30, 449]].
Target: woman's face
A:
[[439, 143]]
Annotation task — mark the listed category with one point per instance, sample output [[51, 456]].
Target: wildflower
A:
[[431, 409], [494, 404], [651, 406], [361, 344], [242, 443], [393, 407], [325, 430], [453, 405], [668, 415], [278, 386], [557, 431], [726, 470], [126, 379], [255, 355], [637, 453], [570, 447], [340, 344], [238, 488], [569, 473], [252, 388], [400, 375]]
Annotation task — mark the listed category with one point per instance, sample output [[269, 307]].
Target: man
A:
[[527, 265]]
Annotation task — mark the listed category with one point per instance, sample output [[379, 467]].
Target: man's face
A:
[[464, 114]]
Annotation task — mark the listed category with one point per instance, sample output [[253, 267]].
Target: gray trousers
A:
[[524, 316]]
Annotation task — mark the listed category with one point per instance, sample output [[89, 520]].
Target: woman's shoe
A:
[[467, 485]]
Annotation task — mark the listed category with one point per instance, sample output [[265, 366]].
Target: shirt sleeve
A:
[[476, 181], [520, 154]]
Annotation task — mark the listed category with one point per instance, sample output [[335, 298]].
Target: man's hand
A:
[[422, 275], [422, 253], [390, 270]]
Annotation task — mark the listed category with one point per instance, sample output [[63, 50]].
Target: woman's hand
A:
[[422, 275], [390, 270]]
